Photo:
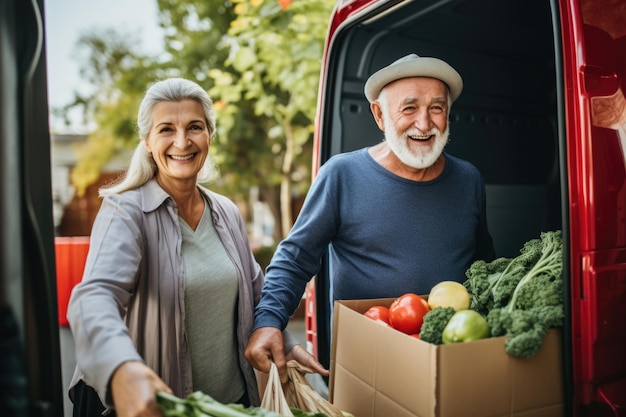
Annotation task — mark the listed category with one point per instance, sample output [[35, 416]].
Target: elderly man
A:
[[397, 217]]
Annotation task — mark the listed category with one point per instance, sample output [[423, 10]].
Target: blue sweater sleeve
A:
[[297, 258]]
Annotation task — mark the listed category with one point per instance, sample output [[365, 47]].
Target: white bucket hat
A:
[[414, 66]]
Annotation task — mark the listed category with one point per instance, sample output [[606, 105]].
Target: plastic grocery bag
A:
[[296, 393]]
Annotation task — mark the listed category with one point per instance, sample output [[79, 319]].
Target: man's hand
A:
[[266, 345], [305, 358], [134, 387]]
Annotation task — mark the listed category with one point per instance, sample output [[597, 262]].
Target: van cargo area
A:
[[531, 71], [504, 122]]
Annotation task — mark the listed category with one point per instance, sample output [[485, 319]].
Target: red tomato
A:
[[379, 313], [406, 313], [415, 335]]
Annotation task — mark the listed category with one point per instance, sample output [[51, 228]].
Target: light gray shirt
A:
[[130, 305], [211, 317]]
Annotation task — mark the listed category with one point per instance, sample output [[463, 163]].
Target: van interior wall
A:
[[504, 121]]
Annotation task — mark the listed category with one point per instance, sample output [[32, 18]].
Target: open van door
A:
[[30, 364], [542, 116]]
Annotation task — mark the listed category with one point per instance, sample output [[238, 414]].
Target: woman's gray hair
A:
[[142, 167]]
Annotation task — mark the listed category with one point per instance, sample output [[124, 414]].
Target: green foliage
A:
[[523, 297], [434, 323], [200, 404], [194, 31], [111, 65], [272, 77], [278, 51]]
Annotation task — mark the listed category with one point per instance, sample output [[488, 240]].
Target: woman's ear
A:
[[146, 143]]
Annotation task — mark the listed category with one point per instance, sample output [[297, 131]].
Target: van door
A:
[[594, 71], [542, 116], [30, 364]]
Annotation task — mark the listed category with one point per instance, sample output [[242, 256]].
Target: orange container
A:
[[70, 257]]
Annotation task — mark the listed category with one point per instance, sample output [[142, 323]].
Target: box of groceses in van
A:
[[377, 371]]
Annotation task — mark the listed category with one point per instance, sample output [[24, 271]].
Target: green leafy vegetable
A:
[[300, 413], [198, 404], [522, 297]]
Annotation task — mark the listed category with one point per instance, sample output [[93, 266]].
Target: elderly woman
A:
[[167, 298]]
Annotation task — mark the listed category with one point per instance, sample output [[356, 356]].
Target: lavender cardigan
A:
[[130, 303]]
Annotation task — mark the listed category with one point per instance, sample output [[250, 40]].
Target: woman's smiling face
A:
[[178, 140]]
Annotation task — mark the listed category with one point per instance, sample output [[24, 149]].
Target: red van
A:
[[543, 117]]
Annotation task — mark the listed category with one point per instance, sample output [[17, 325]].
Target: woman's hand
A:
[[134, 387], [304, 357]]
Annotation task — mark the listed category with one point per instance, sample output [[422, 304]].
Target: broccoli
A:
[[434, 323], [522, 299]]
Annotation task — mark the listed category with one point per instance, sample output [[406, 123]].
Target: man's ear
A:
[[377, 112]]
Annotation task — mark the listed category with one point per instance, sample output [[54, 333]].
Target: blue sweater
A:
[[386, 235]]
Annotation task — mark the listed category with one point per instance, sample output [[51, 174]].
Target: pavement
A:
[[68, 359]]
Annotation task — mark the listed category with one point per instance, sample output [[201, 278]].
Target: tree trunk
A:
[[272, 198], [285, 183]]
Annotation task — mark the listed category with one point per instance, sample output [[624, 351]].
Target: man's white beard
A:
[[419, 157]]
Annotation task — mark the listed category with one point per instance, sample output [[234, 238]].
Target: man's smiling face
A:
[[414, 114]]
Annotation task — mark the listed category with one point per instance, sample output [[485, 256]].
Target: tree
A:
[[193, 36], [111, 66], [275, 49]]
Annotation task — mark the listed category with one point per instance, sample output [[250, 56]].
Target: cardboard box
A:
[[377, 371]]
